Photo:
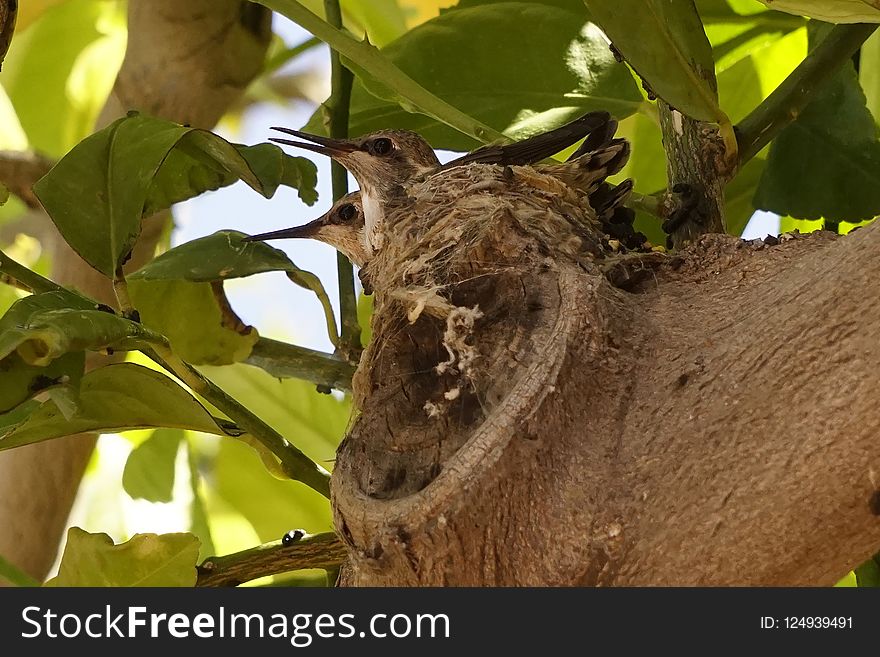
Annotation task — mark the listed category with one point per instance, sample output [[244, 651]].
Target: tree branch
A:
[[315, 551], [19, 170], [337, 111], [284, 361], [782, 106]]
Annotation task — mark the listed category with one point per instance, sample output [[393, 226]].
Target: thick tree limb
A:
[[20, 170], [714, 425]]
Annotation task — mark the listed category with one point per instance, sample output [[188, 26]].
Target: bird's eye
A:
[[347, 212], [381, 146]]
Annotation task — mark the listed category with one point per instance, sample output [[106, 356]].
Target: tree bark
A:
[[524, 422], [186, 62]]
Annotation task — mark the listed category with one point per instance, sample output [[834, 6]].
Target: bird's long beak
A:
[[316, 143], [297, 232]]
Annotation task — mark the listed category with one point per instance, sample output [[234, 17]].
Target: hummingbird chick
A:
[[342, 227]]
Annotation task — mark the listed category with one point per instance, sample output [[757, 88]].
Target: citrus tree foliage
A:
[[465, 74]]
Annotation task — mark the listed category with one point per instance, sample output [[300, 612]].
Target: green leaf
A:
[[198, 524], [149, 470], [669, 50], [868, 574], [869, 73], [315, 422], [472, 58], [270, 505], [739, 205], [187, 172], [831, 11], [747, 76], [145, 560], [826, 163], [196, 318], [46, 67], [112, 398], [50, 334], [217, 257], [23, 378], [383, 20], [98, 192]]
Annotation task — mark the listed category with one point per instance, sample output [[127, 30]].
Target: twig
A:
[[782, 106], [316, 551], [19, 170], [280, 59], [338, 106], [294, 463], [285, 361]]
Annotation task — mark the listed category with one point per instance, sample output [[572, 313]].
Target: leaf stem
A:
[[315, 551], [294, 463], [367, 57], [787, 101], [120, 289], [338, 106]]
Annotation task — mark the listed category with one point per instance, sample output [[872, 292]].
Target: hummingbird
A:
[[383, 161], [343, 227]]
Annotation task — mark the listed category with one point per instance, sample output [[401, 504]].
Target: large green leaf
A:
[[739, 204], [272, 506], [50, 334], [216, 257], [144, 560], [827, 162], [666, 45], [185, 281], [186, 173], [112, 398], [473, 59], [314, 422], [196, 318], [22, 379], [98, 192], [149, 469], [831, 11]]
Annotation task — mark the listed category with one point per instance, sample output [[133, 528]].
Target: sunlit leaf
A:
[[831, 11], [196, 318], [489, 79], [111, 398], [37, 70], [739, 204], [827, 162], [669, 50], [184, 281], [145, 560], [314, 422], [270, 505], [149, 469]]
